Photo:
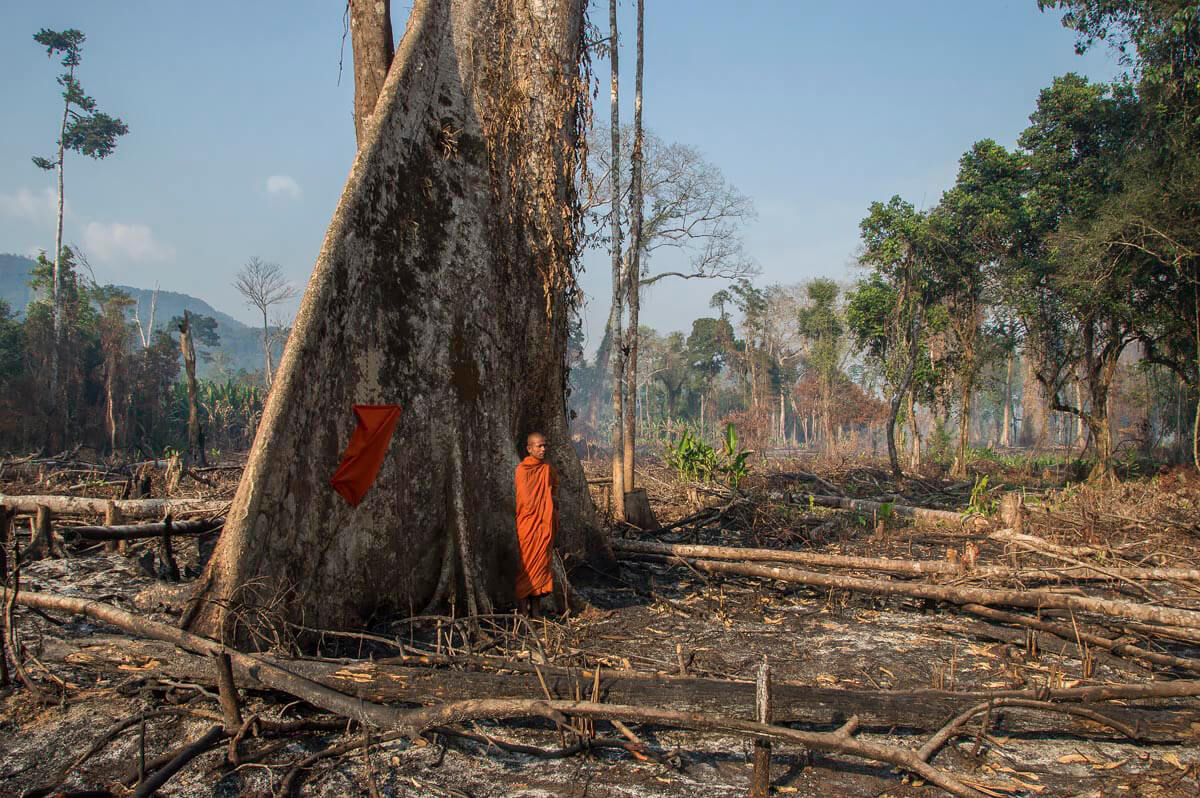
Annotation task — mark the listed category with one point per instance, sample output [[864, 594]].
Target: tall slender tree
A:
[[616, 316], [629, 427], [83, 129]]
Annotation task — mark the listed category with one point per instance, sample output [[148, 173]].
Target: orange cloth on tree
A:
[[537, 521], [364, 454]]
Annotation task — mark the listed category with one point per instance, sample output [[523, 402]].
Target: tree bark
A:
[[442, 286], [914, 456], [964, 428], [634, 276], [1033, 405], [373, 46], [616, 315], [1006, 433], [267, 350]]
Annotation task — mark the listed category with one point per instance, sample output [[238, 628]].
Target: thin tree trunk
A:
[[1081, 436], [635, 250], [267, 349], [914, 452], [195, 453], [616, 317], [110, 417], [373, 46], [1006, 433], [964, 428], [58, 238]]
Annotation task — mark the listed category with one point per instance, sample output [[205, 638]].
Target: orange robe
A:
[[366, 450], [537, 521]]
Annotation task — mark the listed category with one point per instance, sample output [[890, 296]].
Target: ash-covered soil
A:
[[653, 617]]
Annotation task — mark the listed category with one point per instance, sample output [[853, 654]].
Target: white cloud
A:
[[283, 184], [37, 206], [116, 240]]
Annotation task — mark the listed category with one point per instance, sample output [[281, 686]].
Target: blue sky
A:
[[241, 136]]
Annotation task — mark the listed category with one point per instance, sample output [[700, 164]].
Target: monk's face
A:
[[536, 446]]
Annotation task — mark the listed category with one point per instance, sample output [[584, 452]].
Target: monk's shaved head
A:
[[535, 444]]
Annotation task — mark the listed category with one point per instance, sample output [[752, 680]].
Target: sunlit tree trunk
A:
[[443, 286], [371, 35], [635, 254], [616, 317], [1006, 432]]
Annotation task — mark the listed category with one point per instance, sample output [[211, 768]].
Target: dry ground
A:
[[658, 617]]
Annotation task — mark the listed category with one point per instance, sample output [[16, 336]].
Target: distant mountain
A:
[[14, 281], [241, 344]]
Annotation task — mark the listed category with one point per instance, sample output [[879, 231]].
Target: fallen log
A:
[[398, 680], [129, 508], [901, 510], [137, 531], [1115, 647], [412, 723], [906, 567], [1028, 599]]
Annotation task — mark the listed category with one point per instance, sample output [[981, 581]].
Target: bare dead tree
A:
[[688, 206], [145, 333], [263, 285]]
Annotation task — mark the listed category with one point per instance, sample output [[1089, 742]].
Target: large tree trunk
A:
[[1033, 405], [442, 286], [371, 37]]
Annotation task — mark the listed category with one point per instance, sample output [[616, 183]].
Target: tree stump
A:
[[637, 510], [1012, 511]]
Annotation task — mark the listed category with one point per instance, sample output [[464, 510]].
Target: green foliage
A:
[[696, 461], [734, 464], [941, 442], [980, 503], [85, 130], [692, 458]]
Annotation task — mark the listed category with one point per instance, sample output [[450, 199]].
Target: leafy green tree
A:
[[708, 348], [888, 311], [63, 416], [116, 344], [975, 227], [12, 350], [823, 329], [84, 130], [1080, 311], [1155, 215]]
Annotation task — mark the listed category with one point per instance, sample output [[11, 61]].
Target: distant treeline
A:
[[118, 381]]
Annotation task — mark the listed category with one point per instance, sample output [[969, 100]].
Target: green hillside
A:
[[241, 344]]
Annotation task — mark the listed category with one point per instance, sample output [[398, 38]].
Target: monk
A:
[[537, 522]]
